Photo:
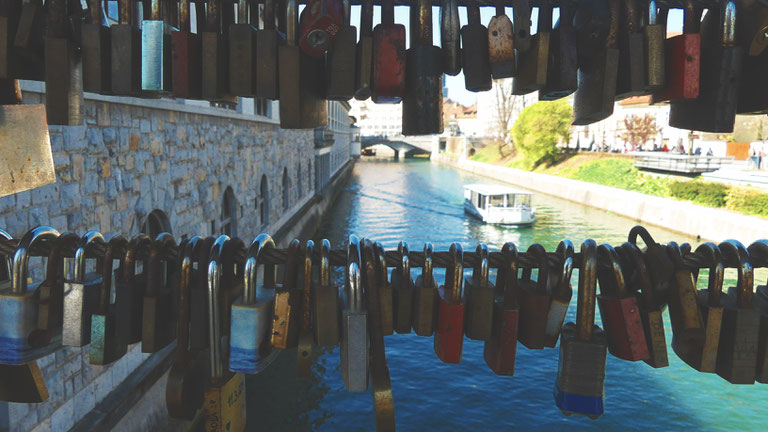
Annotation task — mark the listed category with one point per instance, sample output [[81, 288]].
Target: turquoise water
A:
[[419, 201]]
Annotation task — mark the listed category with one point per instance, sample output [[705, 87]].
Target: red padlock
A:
[[534, 301], [320, 21], [449, 334], [683, 58], [618, 309], [388, 82], [501, 349]]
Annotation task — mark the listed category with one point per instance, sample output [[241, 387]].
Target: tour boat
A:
[[499, 204]]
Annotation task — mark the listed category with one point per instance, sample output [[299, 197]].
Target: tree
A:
[[539, 128], [506, 106], [638, 130]]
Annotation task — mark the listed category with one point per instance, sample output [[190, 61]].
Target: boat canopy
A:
[[492, 189]]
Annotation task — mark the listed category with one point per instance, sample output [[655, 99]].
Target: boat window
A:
[[480, 201], [520, 200], [497, 200]]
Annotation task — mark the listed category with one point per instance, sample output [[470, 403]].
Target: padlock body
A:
[[623, 327], [424, 307], [126, 59], [28, 41], [187, 68], [595, 95], [354, 350], [64, 89], [558, 309], [30, 164], [477, 68], [423, 99], [364, 68], [50, 307], [224, 405], [630, 80], [20, 340], [449, 333], [579, 388], [533, 317], [7, 56], [319, 16], [760, 301], [501, 46], [242, 56], [387, 313], [684, 314], [267, 43], [737, 351], [129, 301], [388, 81], [478, 322], [326, 314], [562, 79], [532, 66], [653, 327], [158, 329], [250, 348], [105, 348], [214, 75], [314, 107], [285, 320], [198, 327], [704, 358], [290, 89], [753, 93], [655, 59], [340, 65], [97, 61], [80, 302], [683, 63], [402, 302], [156, 57], [22, 383], [185, 390], [500, 350]]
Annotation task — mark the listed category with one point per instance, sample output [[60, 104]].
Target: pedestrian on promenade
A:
[[759, 159]]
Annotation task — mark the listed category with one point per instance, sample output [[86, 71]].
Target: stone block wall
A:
[[134, 157]]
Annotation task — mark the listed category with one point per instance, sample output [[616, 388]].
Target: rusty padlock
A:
[[126, 51], [63, 68], [319, 24], [630, 80], [688, 332], [654, 35], [306, 339], [268, 39], [96, 50], [449, 332], [364, 57], [477, 69], [501, 349], [532, 63], [562, 65], [186, 49], [521, 14], [501, 41], [450, 44], [242, 50], [215, 73], [682, 58], [340, 60], [534, 301], [388, 81]]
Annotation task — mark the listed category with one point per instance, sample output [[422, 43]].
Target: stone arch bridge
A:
[[402, 145]]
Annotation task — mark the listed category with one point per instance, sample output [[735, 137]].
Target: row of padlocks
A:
[[230, 314]]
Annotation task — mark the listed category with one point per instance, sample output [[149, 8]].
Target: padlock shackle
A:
[[421, 23], [269, 14], [728, 37], [473, 12], [521, 17], [352, 276], [734, 253], [56, 18], [200, 19], [291, 22], [545, 17], [154, 10], [135, 246], [184, 20], [405, 261], [88, 240], [95, 12], [499, 5], [8, 260], [639, 230], [481, 270], [691, 18], [242, 12], [454, 275], [252, 262], [676, 252], [366, 18], [426, 270], [711, 253], [212, 16], [381, 262], [21, 256], [542, 280], [631, 17], [615, 282], [587, 294], [611, 41], [308, 250], [214, 309], [643, 278], [387, 11], [562, 290], [115, 248], [189, 249], [758, 253], [160, 248], [325, 263], [508, 275]]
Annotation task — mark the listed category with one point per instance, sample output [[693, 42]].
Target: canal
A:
[[419, 201]]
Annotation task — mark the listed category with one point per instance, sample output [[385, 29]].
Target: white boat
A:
[[499, 204]]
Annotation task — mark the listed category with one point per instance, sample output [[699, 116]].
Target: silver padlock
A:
[[250, 350], [81, 295], [155, 52], [354, 324]]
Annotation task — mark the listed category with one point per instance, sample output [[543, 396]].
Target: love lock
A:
[[477, 69]]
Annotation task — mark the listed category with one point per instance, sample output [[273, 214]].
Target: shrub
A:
[[706, 193], [539, 128], [748, 201]]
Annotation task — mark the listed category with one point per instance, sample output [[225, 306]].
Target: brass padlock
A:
[[532, 63], [477, 69], [63, 69], [450, 43], [425, 297], [304, 351], [562, 65], [126, 52], [26, 160], [688, 331], [156, 55], [654, 34], [242, 51], [186, 49], [340, 60], [364, 57], [288, 303], [97, 49], [480, 295], [385, 291], [632, 73], [105, 346], [158, 317], [501, 41], [267, 41], [402, 288], [325, 300]]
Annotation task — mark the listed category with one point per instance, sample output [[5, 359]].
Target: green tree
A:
[[539, 128]]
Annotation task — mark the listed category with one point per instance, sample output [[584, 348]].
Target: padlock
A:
[[423, 99], [402, 288], [381, 384], [198, 299], [532, 63], [562, 65], [534, 301], [319, 24], [618, 309], [9, 22], [81, 294], [560, 283], [20, 383], [661, 268], [214, 57], [129, 291], [301, 81], [475, 37], [126, 52], [50, 292], [268, 39], [501, 41], [156, 55], [105, 346], [688, 331], [754, 27], [631, 75], [63, 69], [449, 331], [325, 298], [654, 34], [288, 302], [480, 294], [703, 356], [96, 50], [185, 387], [501, 349], [224, 399], [579, 388], [521, 14], [721, 60], [26, 163], [385, 292], [650, 307], [364, 54], [340, 60], [22, 342], [450, 44], [388, 80], [354, 323], [598, 58], [304, 351], [158, 318], [758, 252], [29, 40], [425, 297], [242, 51], [739, 335], [186, 49], [682, 58]]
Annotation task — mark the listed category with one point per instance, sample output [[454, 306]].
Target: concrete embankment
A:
[[684, 217]]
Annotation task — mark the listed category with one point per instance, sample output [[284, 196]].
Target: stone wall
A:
[[133, 157]]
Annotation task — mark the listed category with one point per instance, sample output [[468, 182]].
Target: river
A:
[[419, 201]]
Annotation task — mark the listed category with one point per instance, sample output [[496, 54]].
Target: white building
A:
[[377, 119]]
